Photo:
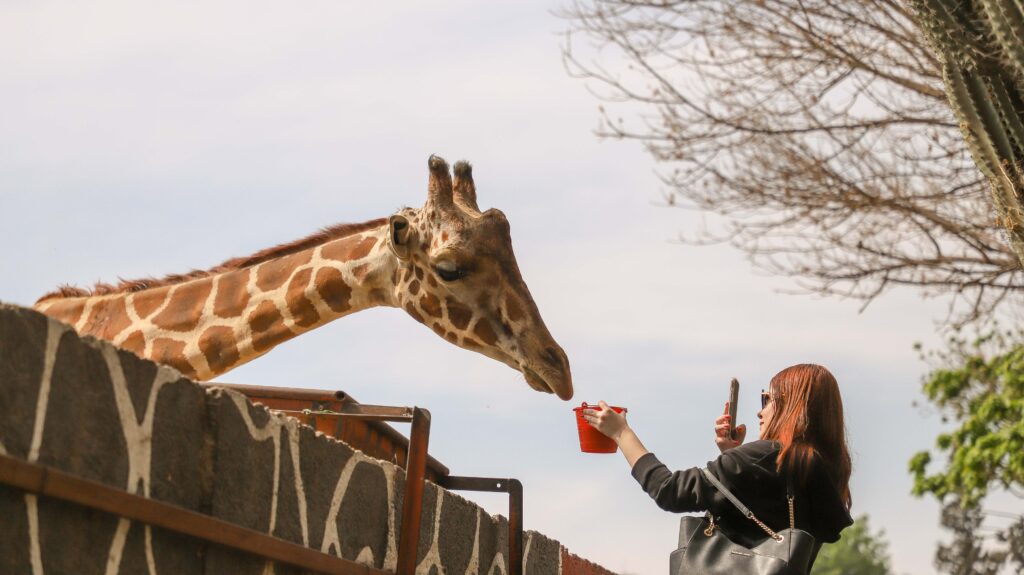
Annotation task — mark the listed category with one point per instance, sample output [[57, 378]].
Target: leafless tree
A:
[[817, 131]]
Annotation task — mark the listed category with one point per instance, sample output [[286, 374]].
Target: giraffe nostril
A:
[[551, 356]]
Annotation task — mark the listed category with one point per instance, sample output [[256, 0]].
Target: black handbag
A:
[[705, 550]]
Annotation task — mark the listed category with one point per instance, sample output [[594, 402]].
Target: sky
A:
[[148, 138]]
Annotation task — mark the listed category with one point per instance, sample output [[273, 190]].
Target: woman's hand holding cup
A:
[[606, 420]]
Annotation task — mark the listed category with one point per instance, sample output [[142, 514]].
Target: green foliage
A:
[[980, 386], [858, 552]]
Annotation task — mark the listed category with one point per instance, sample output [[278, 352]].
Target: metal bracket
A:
[[415, 472], [515, 510]]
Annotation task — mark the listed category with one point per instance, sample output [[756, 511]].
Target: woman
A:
[[802, 439]]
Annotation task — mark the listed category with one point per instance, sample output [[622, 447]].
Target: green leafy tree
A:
[[858, 552], [979, 386]]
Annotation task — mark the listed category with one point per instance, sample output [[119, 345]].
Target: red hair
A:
[[808, 423]]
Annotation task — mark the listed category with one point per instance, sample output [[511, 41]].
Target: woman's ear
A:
[[399, 236]]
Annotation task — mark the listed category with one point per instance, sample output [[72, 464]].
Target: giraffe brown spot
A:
[[412, 311], [444, 236], [423, 247], [431, 281], [302, 309], [430, 305], [264, 317], [339, 249], [414, 287], [171, 352], [348, 249], [333, 289], [458, 314], [220, 348], [406, 274], [470, 343], [267, 326], [94, 320], [135, 343], [148, 301], [437, 329], [419, 273], [360, 271], [450, 336], [364, 247], [512, 308], [485, 332], [378, 295], [232, 294], [115, 319], [185, 307], [273, 274]]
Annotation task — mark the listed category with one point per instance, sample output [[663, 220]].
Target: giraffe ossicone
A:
[[448, 265]]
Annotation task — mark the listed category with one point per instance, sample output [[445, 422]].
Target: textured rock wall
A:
[[85, 407]]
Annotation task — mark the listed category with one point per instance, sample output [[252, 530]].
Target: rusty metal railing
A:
[[48, 482], [320, 409]]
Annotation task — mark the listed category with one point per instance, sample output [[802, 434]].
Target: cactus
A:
[[981, 46]]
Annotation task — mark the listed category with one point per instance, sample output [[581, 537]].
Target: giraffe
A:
[[448, 265]]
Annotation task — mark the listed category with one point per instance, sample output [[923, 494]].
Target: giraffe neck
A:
[[207, 326]]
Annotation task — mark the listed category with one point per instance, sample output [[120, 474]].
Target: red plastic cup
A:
[[592, 440]]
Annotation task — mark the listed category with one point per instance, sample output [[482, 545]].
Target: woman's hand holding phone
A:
[[722, 427]]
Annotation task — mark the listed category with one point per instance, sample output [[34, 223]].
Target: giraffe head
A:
[[458, 275]]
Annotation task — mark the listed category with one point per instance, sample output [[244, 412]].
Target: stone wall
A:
[[85, 407]]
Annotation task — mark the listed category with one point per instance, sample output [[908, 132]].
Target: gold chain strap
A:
[[774, 535], [750, 514], [767, 529]]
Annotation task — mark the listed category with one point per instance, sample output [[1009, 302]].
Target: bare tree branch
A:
[[819, 132]]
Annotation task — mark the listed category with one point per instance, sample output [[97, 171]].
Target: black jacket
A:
[[749, 472]]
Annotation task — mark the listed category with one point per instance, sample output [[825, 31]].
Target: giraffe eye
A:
[[449, 271], [450, 275]]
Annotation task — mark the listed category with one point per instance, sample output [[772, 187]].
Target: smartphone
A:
[[734, 397]]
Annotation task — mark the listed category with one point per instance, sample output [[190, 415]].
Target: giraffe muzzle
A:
[[557, 381]]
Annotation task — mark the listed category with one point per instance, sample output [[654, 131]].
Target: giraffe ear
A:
[[399, 236]]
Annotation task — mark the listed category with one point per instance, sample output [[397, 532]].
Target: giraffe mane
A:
[[127, 286]]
